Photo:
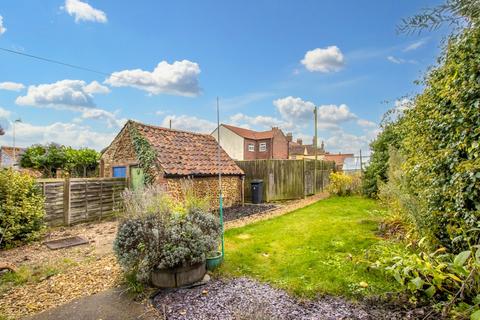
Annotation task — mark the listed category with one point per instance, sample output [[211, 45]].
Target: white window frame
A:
[[262, 146], [251, 147]]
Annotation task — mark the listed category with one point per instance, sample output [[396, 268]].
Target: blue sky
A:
[[269, 62]]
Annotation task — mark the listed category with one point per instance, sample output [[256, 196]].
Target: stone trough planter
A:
[[178, 277]]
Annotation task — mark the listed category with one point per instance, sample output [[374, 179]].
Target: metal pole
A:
[[316, 153], [13, 160], [14, 148], [361, 164], [220, 178]]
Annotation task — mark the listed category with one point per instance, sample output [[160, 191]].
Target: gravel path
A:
[[237, 212], [246, 299]]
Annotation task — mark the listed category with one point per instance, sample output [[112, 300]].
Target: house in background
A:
[[298, 150], [10, 156], [179, 155], [246, 144]]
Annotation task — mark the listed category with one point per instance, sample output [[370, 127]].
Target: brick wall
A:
[[120, 153], [208, 187], [248, 155], [280, 145]]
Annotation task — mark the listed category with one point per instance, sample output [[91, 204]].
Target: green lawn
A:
[[314, 250]]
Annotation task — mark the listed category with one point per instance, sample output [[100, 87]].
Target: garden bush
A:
[[153, 234], [343, 185], [450, 282], [21, 208], [376, 172]]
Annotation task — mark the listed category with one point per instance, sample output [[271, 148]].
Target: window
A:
[[251, 147], [262, 147], [119, 172]]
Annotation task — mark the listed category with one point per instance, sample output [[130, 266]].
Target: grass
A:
[[318, 249], [31, 274]]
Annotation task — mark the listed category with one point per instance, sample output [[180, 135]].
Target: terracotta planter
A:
[[178, 277]]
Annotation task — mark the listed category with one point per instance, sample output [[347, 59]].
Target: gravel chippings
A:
[[246, 299], [237, 212]]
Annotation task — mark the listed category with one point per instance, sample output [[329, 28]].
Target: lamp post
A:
[[14, 148]]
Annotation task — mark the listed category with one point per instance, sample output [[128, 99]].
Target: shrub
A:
[[404, 215], [441, 144], [21, 208], [439, 277], [376, 172], [343, 185], [153, 235]]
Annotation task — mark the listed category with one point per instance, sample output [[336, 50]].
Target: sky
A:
[[270, 63]]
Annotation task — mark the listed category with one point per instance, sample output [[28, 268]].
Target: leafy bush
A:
[[439, 277], [21, 208], [153, 235], [404, 214], [376, 172], [343, 185]]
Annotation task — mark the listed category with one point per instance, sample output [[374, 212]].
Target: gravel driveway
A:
[[246, 299]]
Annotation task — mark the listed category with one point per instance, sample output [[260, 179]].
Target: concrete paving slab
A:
[[113, 304]]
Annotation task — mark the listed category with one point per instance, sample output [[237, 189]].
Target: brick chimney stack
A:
[[289, 137], [299, 141]]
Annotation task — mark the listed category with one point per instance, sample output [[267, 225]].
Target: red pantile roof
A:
[[186, 153], [250, 134], [299, 149]]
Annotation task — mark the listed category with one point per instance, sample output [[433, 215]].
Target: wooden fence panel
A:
[[72, 201], [52, 189], [286, 179]]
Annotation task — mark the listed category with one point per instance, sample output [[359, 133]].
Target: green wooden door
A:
[[137, 178]]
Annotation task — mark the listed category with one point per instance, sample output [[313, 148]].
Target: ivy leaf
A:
[[461, 258], [475, 315], [418, 282], [430, 291]]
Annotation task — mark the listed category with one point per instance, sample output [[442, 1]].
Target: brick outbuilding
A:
[[179, 155]]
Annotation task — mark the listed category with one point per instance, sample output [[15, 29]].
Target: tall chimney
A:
[[289, 137], [299, 141]]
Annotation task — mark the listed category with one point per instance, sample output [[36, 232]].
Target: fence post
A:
[[66, 201], [304, 179], [101, 199]]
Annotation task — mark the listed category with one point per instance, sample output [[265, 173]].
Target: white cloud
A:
[[347, 143], [61, 94], [95, 87], [296, 109], [11, 86], [111, 118], [324, 60], [400, 60], [4, 113], [189, 123], [259, 122], [82, 11], [415, 45], [73, 95], [335, 114], [2, 27], [366, 123], [179, 78], [70, 134]]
